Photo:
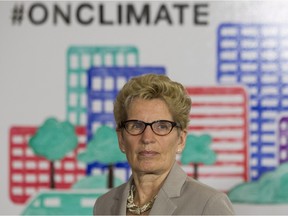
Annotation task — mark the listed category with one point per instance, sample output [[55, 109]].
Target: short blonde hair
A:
[[153, 86]]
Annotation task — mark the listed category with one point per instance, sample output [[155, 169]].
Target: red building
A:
[[221, 112], [30, 173]]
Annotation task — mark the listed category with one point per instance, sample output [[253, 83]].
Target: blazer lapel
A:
[[120, 199], [164, 204]]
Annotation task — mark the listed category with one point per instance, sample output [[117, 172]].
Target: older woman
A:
[[152, 114]]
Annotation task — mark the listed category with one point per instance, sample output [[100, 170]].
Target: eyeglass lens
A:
[[160, 127]]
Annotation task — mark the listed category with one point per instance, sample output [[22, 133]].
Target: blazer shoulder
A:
[[103, 202], [212, 201], [192, 184]]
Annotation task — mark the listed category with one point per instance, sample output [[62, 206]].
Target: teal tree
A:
[[270, 188], [197, 151], [53, 140], [104, 148]]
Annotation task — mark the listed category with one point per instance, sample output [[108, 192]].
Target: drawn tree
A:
[[53, 140], [197, 151], [104, 148]]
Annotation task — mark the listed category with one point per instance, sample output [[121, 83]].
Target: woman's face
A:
[[148, 152]]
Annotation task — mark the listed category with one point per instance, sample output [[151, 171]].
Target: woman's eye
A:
[[137, 126], [162, 126]]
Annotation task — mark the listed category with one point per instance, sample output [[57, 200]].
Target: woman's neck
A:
[[147, 187]]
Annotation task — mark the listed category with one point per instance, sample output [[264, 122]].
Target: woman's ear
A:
[[182, 141], [120, 140]]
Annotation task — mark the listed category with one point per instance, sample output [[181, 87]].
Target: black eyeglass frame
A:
[[173, 124]]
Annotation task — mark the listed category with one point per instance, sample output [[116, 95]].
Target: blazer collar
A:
[[163, 204], [174, 181], [121, 196]]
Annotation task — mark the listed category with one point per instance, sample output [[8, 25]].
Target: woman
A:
[[152, 114]]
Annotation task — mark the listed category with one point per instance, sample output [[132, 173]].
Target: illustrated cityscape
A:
[[244, 112]]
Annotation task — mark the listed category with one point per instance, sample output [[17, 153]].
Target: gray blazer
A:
[[179, 195]]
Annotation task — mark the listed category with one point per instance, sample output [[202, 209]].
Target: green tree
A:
[[104, 148], [53, 140], [197, 151]]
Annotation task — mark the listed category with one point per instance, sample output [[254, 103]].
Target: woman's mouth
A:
[[147, 153]]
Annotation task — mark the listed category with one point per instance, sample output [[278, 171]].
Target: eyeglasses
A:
[[160, 127]]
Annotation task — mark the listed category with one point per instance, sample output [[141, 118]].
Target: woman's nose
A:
[[148, 135]]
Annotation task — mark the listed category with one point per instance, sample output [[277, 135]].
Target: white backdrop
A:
[[33, 59]]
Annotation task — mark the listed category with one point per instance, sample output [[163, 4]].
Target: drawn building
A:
[[79, 61], [283, 140], [221, 112], [68, 202], [256, 56]]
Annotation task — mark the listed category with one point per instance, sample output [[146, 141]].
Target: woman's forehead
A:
[[149, 109]]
